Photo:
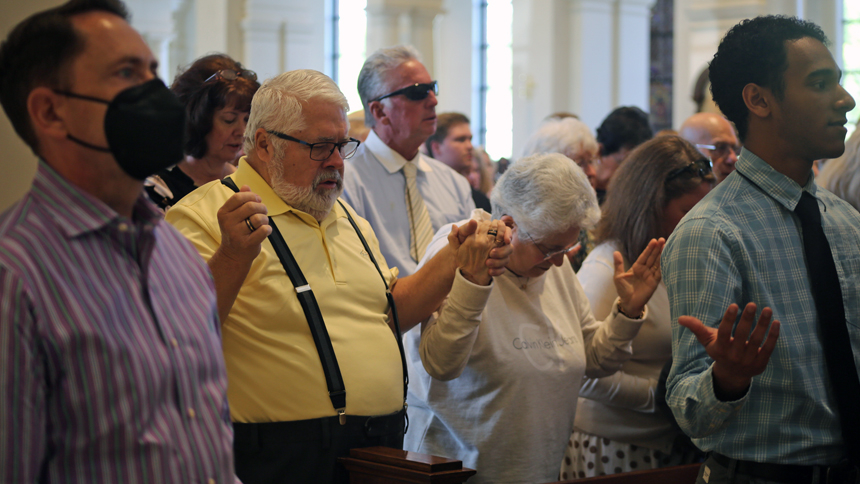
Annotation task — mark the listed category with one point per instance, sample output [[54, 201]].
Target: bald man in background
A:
[[714, 136]]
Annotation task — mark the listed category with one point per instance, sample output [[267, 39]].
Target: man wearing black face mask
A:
[[110, 363]]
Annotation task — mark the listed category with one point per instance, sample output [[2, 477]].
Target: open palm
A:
[[636, 285]]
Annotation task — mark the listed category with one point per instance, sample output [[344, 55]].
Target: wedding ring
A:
[[249, 224], [493, 232]]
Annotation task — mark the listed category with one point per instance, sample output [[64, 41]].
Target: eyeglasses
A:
[[231, 75], [721, 150], [549, 254], [415, 92], [322, 151], [700, 168]]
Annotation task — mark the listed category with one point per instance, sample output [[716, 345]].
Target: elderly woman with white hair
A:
[[495, 373], [572, 138]]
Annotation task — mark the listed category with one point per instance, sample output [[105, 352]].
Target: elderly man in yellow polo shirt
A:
[[303, 290]]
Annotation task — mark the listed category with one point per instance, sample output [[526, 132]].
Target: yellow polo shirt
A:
[[273, 368]]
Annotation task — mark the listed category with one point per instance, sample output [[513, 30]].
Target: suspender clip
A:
[[341, 415]]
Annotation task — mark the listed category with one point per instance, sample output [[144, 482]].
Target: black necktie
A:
[[834, 330]]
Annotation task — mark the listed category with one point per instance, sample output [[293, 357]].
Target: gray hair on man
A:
[[546, 193], [372, 80], [277, 105], [566, 136]]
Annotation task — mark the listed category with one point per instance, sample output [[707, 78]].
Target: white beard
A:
[[316, 203]]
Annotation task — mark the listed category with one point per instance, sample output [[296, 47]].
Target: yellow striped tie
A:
[[419, 220]]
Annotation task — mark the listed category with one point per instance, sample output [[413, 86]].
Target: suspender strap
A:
[[333, 378], [387, 295]]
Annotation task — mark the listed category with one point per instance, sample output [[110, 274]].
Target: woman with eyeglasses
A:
[[495, 373], [619, 425], [216, 91]]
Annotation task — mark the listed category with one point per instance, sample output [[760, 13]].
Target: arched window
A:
[[349, 46]]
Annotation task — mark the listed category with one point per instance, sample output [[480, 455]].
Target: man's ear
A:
[[47, 113], [262, 146], [377, 109], [759, 100]]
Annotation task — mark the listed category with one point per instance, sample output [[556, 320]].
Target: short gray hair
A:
[[546, 194], [565, 136], [277, 105], [842, 175], [372, 80]]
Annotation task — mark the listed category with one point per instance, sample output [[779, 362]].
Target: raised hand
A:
[[636, 285], [738, 358], [241, 213], [499, 255]]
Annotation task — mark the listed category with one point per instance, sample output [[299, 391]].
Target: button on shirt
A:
[[108, 334], [374, 185], [742, 244]]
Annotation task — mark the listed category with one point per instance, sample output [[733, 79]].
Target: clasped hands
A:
[[483, 249]]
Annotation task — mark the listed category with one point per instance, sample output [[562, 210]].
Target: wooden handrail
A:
[[384, 465]]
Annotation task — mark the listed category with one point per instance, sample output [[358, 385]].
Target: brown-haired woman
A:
[[216, 91], [618, 427]]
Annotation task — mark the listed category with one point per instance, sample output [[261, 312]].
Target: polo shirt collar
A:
[[77, 212], [390, 159], [245, 174], [781, 188]]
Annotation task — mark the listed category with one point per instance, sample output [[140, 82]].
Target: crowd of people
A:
[[230, 280]]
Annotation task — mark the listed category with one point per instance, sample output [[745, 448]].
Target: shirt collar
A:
[[245, 174], [390, 159], [776, 185], [77, 212]]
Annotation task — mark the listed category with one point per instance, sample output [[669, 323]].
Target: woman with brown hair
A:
[[618, 426], [216, 91]]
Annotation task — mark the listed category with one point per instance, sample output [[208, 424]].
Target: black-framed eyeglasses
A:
[[231, 75], [721, 150], [322, 151], [547, 253], [415, 92], [700, 168]]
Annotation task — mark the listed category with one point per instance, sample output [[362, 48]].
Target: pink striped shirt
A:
[[111, 368]]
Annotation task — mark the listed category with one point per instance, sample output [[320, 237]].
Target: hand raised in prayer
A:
[[738, 358], [244, 225], [499, 255], [474, 252], [636, 285]]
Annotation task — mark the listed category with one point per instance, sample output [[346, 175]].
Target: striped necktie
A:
[[419, 220]]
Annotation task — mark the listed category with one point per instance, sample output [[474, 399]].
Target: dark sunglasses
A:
[[415, 92], [700, 168], [231, 75]]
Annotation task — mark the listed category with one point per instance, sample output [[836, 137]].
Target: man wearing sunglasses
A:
[[714, 136], [405, 195]]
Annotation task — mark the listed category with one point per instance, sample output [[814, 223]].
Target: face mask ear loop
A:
[[88, 145]]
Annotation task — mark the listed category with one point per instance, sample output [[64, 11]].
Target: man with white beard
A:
[[312, 365]]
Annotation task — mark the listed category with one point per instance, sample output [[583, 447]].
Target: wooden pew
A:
[[384, 465], [685, 474]]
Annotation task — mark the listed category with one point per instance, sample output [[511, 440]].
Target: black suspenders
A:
[[334, 380]]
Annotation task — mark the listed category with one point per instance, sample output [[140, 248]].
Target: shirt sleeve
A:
[[621, 389], [702, 281], [608, 344], [23, 415]]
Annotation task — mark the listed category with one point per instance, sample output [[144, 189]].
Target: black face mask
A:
[[144, 126]]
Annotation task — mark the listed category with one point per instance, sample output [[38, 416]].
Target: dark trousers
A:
[[307, 450]]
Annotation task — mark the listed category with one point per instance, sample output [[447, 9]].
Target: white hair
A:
[[842, 175], [546, 193], [372, 80], [277, 105], [565, 136]]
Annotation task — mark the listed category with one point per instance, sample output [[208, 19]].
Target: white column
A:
[[210, 34], [591, 70], [453, 57], [633, 54], [154, 20], [392, 22]]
